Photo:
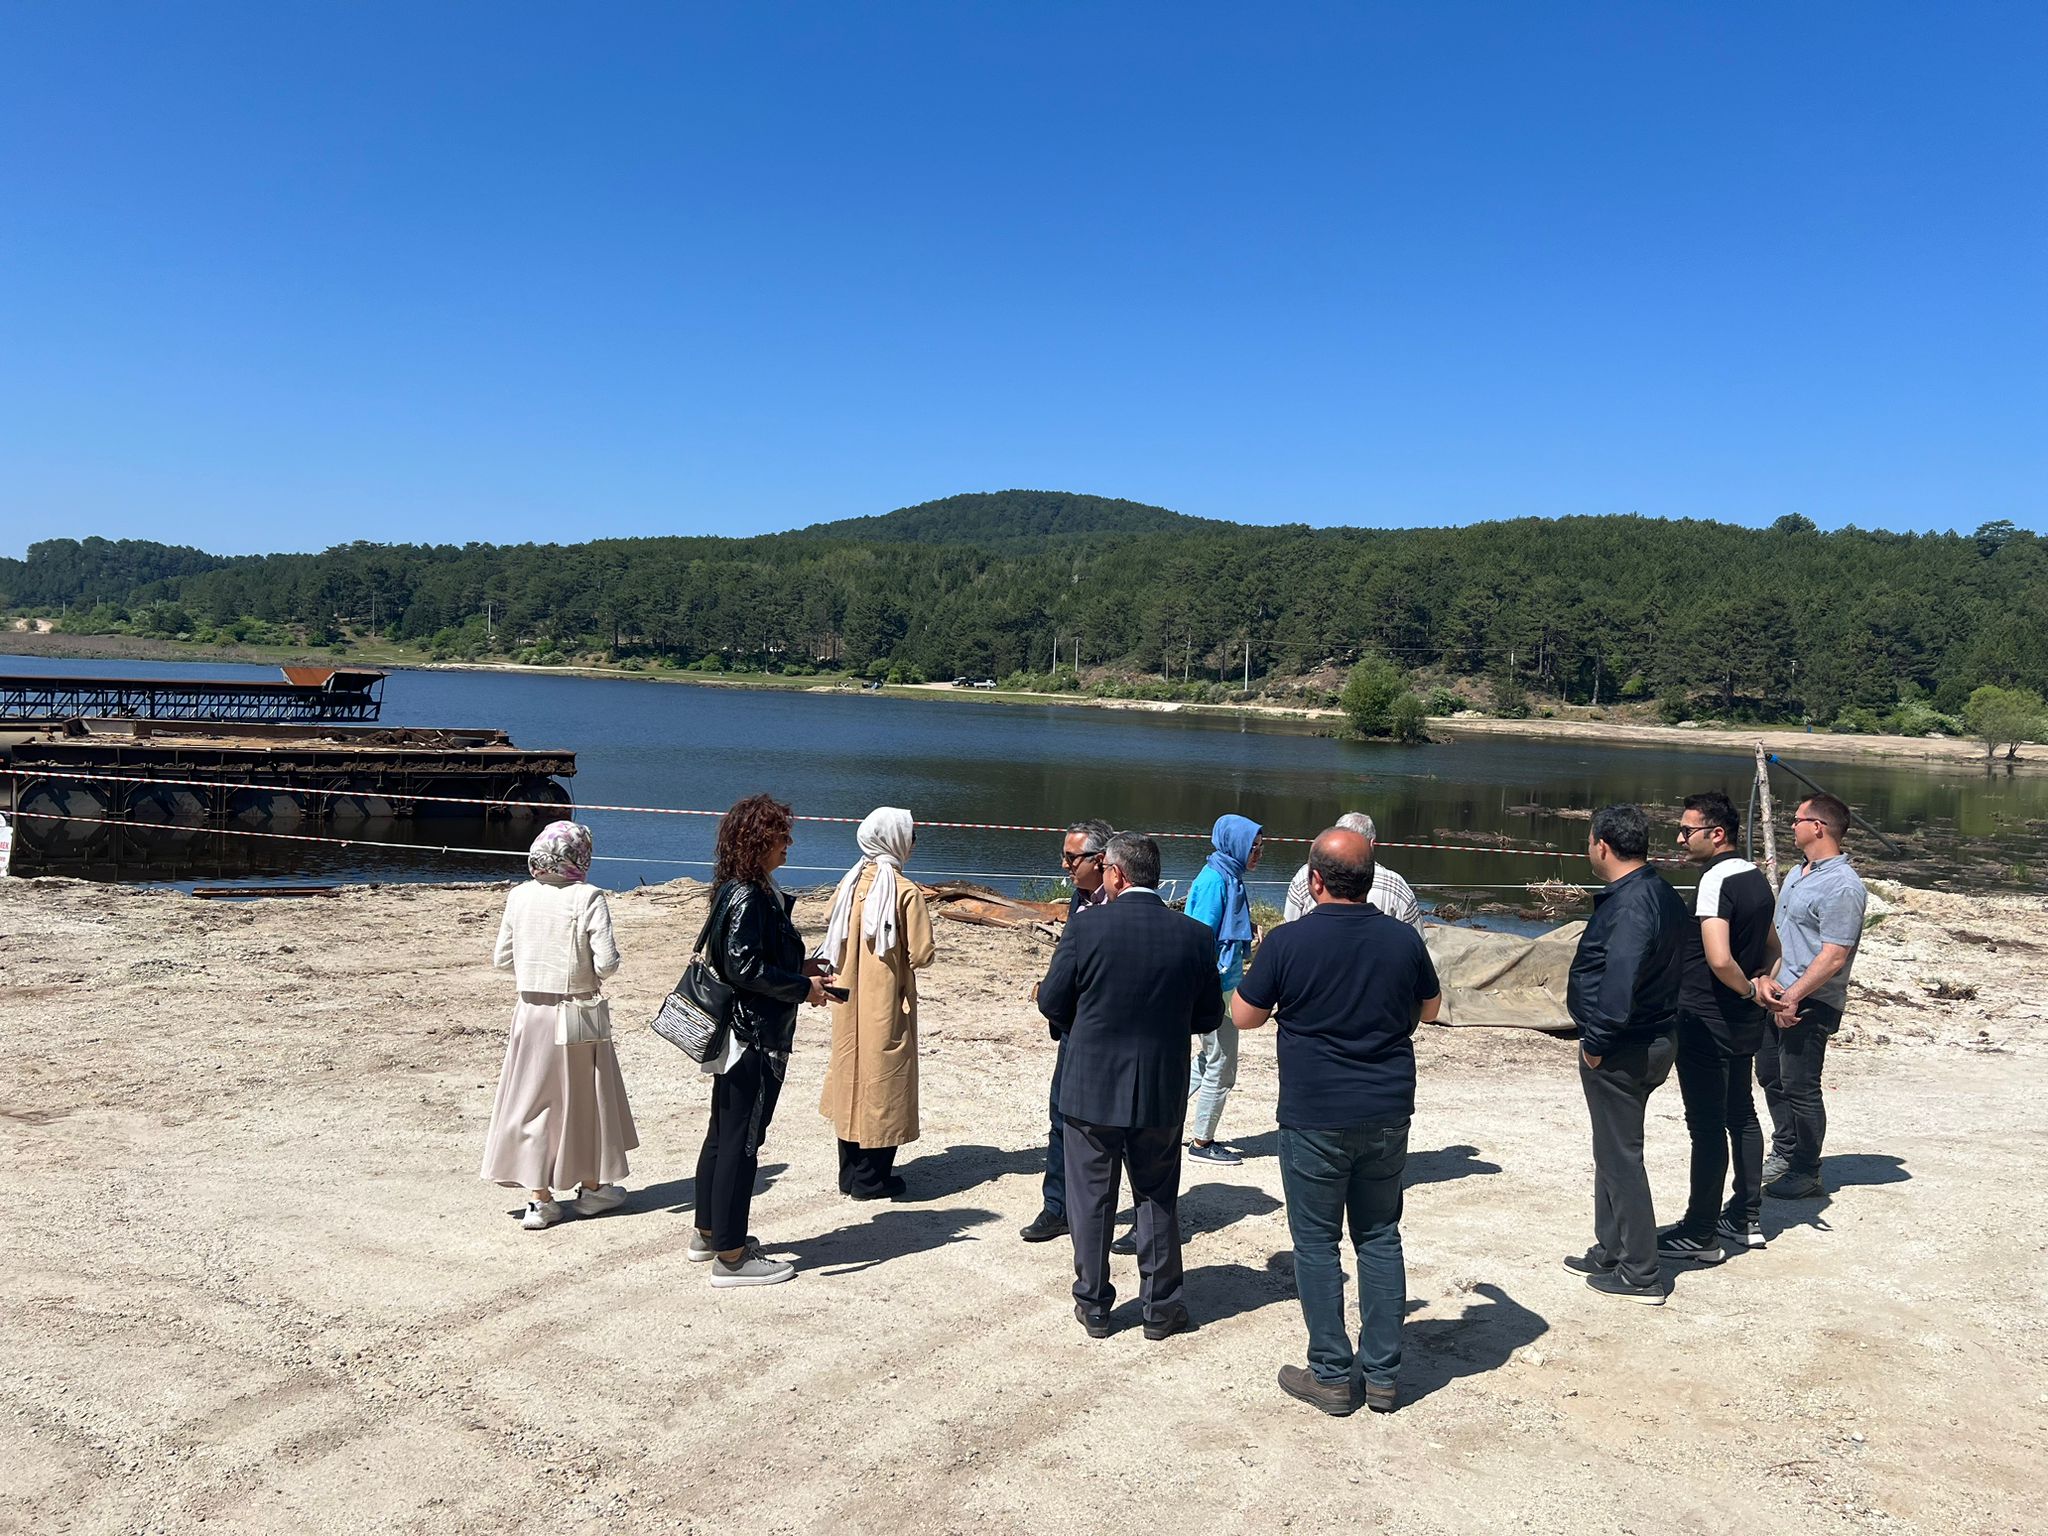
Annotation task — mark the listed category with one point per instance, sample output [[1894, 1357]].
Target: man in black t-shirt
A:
[[1349, 984], [1720, 1027]]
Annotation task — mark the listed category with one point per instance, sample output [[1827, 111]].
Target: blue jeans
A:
[[1329, 1176]]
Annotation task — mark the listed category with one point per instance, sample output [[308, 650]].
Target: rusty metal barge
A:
[[82, 757]]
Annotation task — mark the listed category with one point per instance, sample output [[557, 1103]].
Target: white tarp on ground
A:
[[1504, 978]]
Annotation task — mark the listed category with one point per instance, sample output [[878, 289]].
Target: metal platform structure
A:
[[307, 695]]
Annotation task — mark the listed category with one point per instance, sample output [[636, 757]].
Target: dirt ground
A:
[[253, 1283]]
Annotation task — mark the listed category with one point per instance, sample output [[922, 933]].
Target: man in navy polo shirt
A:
[[1349, 984]]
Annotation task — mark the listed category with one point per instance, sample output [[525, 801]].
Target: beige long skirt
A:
[[561, 1117]]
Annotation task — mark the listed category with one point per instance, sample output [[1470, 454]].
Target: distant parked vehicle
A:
[[986, 682], [959, 682]]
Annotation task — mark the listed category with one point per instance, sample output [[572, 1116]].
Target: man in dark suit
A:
[[1081, 864], [1131, 984]]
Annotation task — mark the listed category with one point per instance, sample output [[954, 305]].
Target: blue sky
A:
[[281, 276]]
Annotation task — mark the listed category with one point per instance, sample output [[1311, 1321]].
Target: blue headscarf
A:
[[1233, 837]]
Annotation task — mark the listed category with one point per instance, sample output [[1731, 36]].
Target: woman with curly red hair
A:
[[756, 949]]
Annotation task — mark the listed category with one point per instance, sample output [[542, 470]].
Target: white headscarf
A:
[[885, 844]]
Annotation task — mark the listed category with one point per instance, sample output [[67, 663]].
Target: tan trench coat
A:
[[871, 1083]]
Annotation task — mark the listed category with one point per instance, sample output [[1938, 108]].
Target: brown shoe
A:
[[1335, 1400], [1380, 1399]]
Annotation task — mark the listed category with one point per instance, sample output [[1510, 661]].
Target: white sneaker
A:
[[700, 1250], [754, 1268], [595, 1202], [541, 1214]]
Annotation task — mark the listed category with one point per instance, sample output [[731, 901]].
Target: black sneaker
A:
[[1611, 1284], [1735, 1232], [1176, 1321], [1683, 1247], [890, 1188], [1776, 1166], [1796, 1186], [1096, 1324], [1044, 1228], [1593, 1261]]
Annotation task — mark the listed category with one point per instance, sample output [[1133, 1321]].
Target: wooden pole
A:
[[1766, 816]]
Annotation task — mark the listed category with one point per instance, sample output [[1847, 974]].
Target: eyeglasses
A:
[[1814, 819], [1685, 832], [1069, 860]]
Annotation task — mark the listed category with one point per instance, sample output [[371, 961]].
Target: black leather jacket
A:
[[760, 955], [1624, 979]]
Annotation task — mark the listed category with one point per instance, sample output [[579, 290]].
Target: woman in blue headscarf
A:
[[1218, 898]]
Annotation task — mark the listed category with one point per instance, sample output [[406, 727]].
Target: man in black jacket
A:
[[1081, 863], [1623, 995], [1130, 986]]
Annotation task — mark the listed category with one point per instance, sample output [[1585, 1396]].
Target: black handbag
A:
[[696, 1018]]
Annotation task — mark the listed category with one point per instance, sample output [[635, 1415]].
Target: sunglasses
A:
[[1069, 860], [1685, 832]]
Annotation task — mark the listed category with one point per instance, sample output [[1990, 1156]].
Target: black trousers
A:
[[1055, 1196], [1617, 1094], [1720, 1117], [1788, 1066], [864, 1170], [1151, 1153], [731, 1155]]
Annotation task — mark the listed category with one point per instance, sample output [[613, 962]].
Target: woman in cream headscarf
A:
[[879, 936], [561, 1116]]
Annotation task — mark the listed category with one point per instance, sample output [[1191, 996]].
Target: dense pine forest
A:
[[1704, 618]]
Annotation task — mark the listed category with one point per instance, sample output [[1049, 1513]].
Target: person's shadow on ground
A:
[[679, 1196], [1844, 1170], [1440, 1166], [1218, 1292], [875, 1239], [1439, 1351], [941, 1175], [1212, 1207]]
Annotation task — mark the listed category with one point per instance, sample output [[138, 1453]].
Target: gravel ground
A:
[[255, 1285]]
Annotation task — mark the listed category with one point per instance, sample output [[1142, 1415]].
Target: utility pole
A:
[[1247, 664], [490, 621]]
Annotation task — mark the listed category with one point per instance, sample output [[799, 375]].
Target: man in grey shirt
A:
[[1819, 925], [1390, 893]]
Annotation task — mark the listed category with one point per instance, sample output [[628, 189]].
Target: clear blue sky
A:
[[275, 276]]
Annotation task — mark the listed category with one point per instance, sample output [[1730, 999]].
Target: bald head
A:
[[1340, 866]]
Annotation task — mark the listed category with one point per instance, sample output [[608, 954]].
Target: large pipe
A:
[[1822, 789]]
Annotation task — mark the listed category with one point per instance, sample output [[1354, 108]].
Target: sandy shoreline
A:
[[254, 1283], [1945, 752]]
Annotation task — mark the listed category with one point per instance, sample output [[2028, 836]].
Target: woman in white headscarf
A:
[[879, 937], [561, 1117]]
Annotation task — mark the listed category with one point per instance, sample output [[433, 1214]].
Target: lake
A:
[[841, 754]]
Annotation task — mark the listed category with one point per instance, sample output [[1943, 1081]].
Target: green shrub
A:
[[1410, 719], [1857, 721], [1442, 701], [1370, 694]]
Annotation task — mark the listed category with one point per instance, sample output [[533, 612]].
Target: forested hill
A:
[[1007, 519], [1780, 622]]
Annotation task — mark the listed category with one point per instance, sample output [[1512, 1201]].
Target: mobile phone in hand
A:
[[837, 994]]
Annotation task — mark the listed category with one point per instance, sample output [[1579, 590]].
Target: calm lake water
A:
[[841, 754]]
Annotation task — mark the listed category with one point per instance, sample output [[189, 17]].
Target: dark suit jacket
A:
[[1130, 984]]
